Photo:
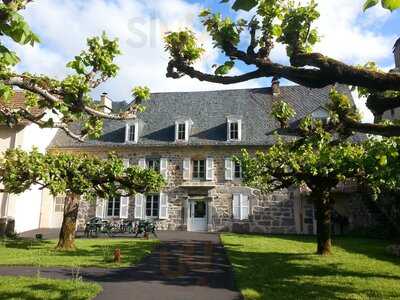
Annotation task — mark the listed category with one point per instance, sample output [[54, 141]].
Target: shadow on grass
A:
[[24, 243], [274, 275]]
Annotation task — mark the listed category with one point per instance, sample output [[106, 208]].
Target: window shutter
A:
[[136, 132], [139, 204], [124, 211], [186, 168], [163, 206], [244, 207], [176, 131], [187, 130], [126, 133], [164, 167], [210, 168], [100, 208], [228, 130], [126, 162], [239, 130], [142, 163], [236, 206], [228, 169]]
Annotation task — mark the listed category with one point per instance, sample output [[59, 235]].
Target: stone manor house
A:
[[190, 138]]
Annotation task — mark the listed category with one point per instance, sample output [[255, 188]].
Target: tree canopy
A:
[[293, 25], [53, 103], [77, 177]]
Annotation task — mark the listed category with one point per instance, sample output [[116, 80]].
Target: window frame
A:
[[62, 198], [153, 161], [196, 174], [113, 208], [181, 131], [152, 198], [234, 171], [234, 132]]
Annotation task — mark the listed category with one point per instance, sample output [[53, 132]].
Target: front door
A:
[[198, 215]]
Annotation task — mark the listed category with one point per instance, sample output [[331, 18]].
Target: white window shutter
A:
[[142, 163], [244, 207], [126, 162], [186, 168], [228, 169], [124, 210], [239, 130], [210, 168], [164, 167], [236, 206], [136, 132], [163, 214], [187, 130], [228, 130], [100, 208], [139, 204], [176, 131], [126, 133]]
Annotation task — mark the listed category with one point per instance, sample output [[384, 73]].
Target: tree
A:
[[77, 177], [319, 162], [59, 102], [291, 24]]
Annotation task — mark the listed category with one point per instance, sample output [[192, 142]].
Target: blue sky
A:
[[348, 34]]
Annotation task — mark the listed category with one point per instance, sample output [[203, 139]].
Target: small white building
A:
[[25, 208]]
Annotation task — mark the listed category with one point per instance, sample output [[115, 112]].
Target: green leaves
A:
[[246, 5], [225, 68], [283, 112], [183, 46], [81, 174], [388, 4]]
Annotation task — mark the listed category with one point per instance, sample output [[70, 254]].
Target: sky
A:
[[348, 34]]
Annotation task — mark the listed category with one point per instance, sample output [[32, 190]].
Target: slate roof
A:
[[209, 112]]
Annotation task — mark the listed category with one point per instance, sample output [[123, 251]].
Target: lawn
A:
[[24, 288], [282, 267], [90, 253]]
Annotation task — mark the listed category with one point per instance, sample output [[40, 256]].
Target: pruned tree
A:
[[77, 177], [291, 24], [318, 162], [52, 103]]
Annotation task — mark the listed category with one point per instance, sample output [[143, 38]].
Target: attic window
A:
[[182, 130], [321, 114], [132, 133], [234, 129]]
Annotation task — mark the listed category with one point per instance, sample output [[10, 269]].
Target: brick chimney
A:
[[276, 90], [396, 51], [106, 103]]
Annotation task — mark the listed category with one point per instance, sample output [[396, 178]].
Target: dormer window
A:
[[234, 129], [182, 130], [132, 133], [321, 114]]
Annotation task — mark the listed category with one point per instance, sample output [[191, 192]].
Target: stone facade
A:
[[282, 212]]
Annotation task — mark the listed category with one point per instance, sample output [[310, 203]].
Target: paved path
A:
[[186, 266]]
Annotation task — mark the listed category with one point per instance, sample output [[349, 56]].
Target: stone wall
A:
[[282, 212]]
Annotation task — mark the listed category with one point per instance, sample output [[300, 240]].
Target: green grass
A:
[[24, 288], [89, 253], [282, 267]]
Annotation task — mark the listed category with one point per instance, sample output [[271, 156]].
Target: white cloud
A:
[[139, 25]]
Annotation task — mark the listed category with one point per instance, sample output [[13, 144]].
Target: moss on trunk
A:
[[66, 240]]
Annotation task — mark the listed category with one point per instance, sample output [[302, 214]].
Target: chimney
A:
[[276, 91], [106, 103], [396, 51]]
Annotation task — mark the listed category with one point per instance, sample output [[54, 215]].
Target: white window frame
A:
[[232, 120], [240, 207], [188, 124], [321, 114], [113, 215], [152, 216], [128, 128], [234, 163], [59, 205], [230, 172], [193, 165]]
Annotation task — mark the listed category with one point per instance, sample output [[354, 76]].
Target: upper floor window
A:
[[153, 164], [234, 129], [199, 169], [132, 133], [237, 172], [182, 130]]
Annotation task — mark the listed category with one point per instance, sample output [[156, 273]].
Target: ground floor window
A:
[[152, 206], [114, 207]]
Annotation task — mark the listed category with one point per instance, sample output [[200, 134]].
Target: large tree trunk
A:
[[323, 205], [66, 240]]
